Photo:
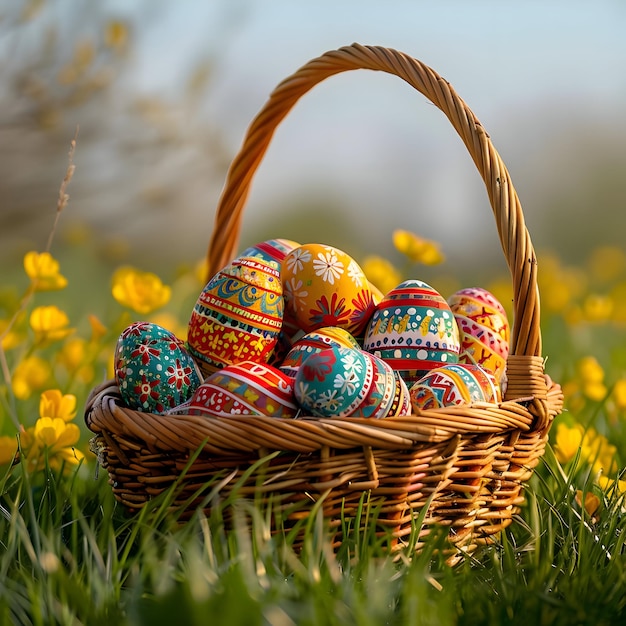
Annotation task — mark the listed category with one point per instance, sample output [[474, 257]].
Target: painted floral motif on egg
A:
[[456, 383], [324, 286], [484, 329], [342, 382], [153, 369], [414, 330], [245, 388], [238, 316], [333, 382]]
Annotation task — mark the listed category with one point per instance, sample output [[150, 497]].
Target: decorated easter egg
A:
[[238, 316], [483, 327], [389, 394], [414, 330], [455, 383], [245, 388], [401, 404], [272, 250], [341, 382], [324, 286], [316, 341], [153, 369]]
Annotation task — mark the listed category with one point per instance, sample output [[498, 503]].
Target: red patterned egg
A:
[[238, 316], [484, 329], [316, 341], [341, 382], [414, 330], [324, 286], [153, 370], [274, 251], [456, 383], [245, 388]]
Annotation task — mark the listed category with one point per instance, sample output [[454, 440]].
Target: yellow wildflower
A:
[[590, 502], [201, 271], [73, 356], [116, 34], [50, 324], [43, 271], [31, 374], [607, 263], [9, 338], [381, 273], [416, 248], [591, 376], [143, 292], [597, 308], [8, 449], [98, 329], [55, 404], [618, 296], [574, 398], [52, 439], [597, 450], [568, 441], [594, 448], [170, 322], [619, 394], [559, 286], [610, 486]]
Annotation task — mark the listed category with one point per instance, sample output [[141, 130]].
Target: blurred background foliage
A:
[[353, 156]]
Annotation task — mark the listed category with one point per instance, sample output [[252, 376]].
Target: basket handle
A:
[[507, 210]]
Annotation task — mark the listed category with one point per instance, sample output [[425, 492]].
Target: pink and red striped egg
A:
[[484, 329]]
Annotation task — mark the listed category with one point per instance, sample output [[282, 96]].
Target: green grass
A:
[[71, 555]]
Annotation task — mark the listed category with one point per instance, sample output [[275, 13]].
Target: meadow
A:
[[70, 554]]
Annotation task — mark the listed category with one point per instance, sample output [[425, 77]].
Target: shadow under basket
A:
[[462, 468]]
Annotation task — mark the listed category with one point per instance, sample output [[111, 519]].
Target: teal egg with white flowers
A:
[[153, 369]]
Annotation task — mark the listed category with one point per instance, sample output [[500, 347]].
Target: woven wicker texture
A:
[[468, 464]]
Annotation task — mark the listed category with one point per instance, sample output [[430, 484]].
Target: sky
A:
[[366, 144], [504, 59]]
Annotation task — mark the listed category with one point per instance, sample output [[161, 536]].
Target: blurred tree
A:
[[139, 158]]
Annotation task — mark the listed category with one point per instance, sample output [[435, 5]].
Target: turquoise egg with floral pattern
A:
[[341, 382], [153, 369], [333, 382]]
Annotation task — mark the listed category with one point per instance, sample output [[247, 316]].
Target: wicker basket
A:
[[462, 467]]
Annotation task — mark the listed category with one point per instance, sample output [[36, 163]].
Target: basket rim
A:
[[105, 413]]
